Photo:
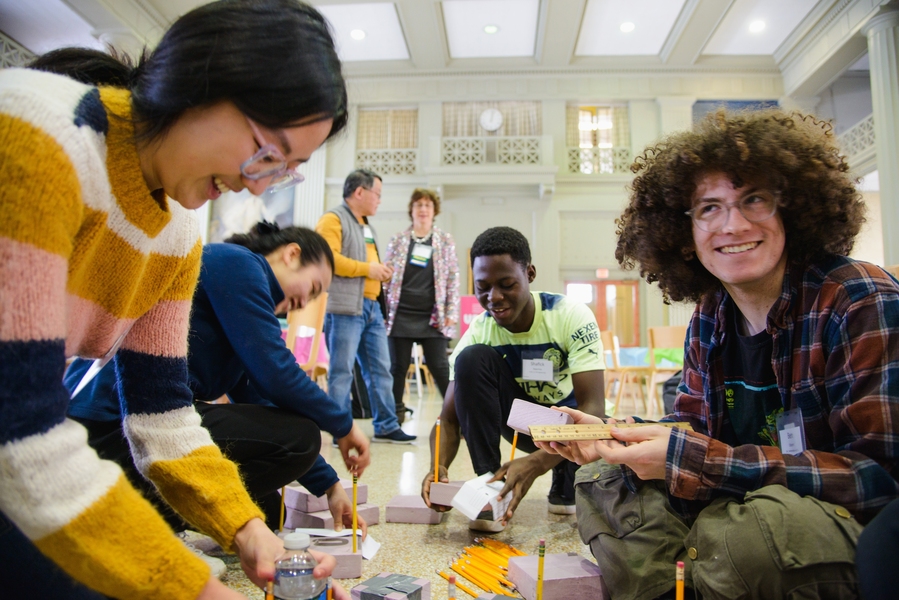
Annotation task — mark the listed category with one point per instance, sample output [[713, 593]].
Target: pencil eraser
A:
[[443, 493], [349, 563], [564, 576], [391, 586], [410, 509], [323, 520], [524, 413], [299, 498]]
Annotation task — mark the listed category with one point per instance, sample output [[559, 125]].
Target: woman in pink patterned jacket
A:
[[423, 294]]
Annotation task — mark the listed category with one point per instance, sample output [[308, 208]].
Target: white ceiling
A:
[[437, 37]]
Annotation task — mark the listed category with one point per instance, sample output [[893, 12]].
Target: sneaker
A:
[[485, 523], [395, 437], [561, 492], [216, 565]]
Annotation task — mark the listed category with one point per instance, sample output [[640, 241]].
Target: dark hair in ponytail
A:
[[264, 238], [274, 59]]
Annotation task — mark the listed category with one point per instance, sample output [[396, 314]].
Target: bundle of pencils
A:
[[486, 565]]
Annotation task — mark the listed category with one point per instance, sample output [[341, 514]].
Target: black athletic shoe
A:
[[395, 437], [561, 492]]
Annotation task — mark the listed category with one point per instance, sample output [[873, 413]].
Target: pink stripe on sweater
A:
[[92, 330], [162, 331], [32, 293]]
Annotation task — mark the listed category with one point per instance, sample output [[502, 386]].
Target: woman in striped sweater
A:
[[99, 257]]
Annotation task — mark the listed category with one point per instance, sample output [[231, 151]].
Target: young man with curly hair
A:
[[791, 373], [497, 361]]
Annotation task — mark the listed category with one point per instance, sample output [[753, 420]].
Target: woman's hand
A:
[[581, 452], [342, 509], [356, 441], [258, 548], [646, 451]]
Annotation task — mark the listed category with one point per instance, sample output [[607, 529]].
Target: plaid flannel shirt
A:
[[835, 333]]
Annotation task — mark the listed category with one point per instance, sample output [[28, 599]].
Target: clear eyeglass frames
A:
[[711, 216], [268, 161]]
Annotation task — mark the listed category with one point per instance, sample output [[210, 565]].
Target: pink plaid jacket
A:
[[446, 278]]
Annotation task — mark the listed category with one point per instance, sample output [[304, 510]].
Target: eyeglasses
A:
[[378, 194], [712, 215], [269, 162]]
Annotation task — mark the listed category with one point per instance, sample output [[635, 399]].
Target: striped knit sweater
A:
[[87, 256]]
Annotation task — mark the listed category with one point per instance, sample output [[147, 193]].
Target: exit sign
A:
[[602, 273]]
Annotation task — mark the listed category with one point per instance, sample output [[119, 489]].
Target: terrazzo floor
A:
[[422, 550]]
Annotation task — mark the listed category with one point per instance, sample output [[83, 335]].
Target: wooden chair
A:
[[309, 322], [415, 370], [670, 336], [623, 374]]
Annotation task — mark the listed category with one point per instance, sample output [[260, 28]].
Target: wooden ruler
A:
[[564, 433]]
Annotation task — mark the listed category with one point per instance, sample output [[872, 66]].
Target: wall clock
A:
[[491, 119]]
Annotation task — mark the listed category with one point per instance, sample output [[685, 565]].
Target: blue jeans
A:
[[363, 337]]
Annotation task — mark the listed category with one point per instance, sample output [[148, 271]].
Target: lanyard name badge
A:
[[369, 236], [790, 433], [421, 254]]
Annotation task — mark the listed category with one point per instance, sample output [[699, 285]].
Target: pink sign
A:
[[469, 308]]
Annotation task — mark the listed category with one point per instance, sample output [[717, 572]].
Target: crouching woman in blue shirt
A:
[[272, 428]]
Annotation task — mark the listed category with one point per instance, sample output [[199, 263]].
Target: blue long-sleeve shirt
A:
[[235, 348]]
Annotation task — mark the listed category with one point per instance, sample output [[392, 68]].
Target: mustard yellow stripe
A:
[[206, 490], [123, 165], [121, 547], [108, 271], [40, 196]]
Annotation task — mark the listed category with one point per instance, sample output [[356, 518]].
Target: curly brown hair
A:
[[419, 193], [794, 154]]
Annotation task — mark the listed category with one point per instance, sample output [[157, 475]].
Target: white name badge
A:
[[537, 369], [369, 236], [790, 434], [421, 254]]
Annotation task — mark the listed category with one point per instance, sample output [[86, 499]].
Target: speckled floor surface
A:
[[420, 550]]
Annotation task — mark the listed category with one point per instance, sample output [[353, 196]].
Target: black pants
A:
[[877, 555], [271, 447], [485, 389], [434, 349]]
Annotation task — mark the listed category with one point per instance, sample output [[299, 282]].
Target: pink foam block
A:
[[349, 563], [299, 498], [411, 509], [323, 519], [391, 586], [524, 414], [564, 576], [443, 493]]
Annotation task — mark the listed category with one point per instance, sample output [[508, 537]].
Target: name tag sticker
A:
[[369, 237], [421, 254], [537, 369], [790, 433]]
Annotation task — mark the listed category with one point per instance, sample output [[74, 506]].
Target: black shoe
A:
[[561, 492], [395, 437]]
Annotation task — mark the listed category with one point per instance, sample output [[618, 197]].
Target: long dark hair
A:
[[274, 59], [264, 238]]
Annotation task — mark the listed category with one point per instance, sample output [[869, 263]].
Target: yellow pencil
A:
[[270, 590], [355, 499], [451, 588], [459, 585], [283, 489], [330, 595], [437, 453], [679, 580], [514, 443], [540, 553]]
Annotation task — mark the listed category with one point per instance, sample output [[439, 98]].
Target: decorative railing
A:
[[13, 54], [599, 160], [858, 140], [388, 162], [490, 151]]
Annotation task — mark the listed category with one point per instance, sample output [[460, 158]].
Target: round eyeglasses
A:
[[268, 161], [710, 216]]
